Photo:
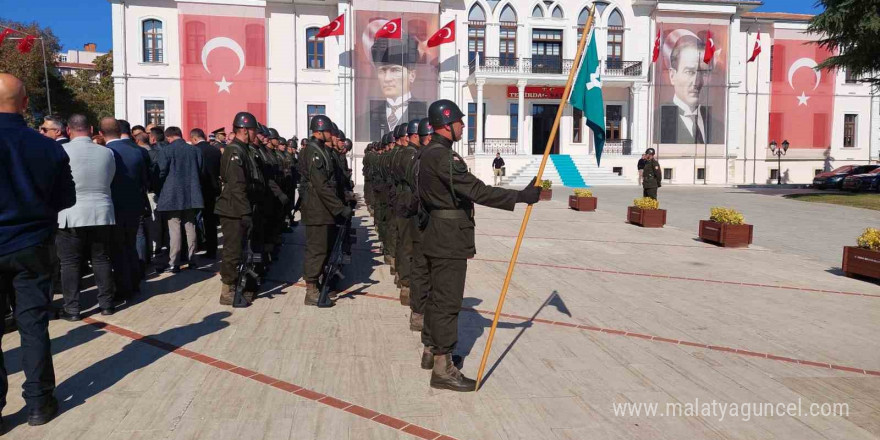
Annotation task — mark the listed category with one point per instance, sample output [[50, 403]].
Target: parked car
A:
[[834, 179], [863, 182]]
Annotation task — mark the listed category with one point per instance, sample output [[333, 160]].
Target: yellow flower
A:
[[870, 239], [727, 216], [646, 203]]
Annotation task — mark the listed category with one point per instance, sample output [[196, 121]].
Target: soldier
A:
[[321, 209], [391, 222], [294, 178], [366, 163], [420, 282], [380, 193], [448, 192], [652, 176], [242, 190], [404, 208], [276, 198]]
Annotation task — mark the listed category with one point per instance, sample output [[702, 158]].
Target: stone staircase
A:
[[591, 173]]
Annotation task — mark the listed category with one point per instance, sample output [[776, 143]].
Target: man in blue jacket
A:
[[35, 183]]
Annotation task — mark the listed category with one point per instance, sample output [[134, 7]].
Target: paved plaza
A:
[[600, 313]]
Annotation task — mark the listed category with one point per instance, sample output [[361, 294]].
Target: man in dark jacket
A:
[[55, 127], [210, 188], [652, 175], [35, 183], [180, 175], [129, 192]]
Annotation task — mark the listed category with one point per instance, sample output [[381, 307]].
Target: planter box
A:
[[726, 235], [646, 218], [546, 194], [864, 262], [582, 203]]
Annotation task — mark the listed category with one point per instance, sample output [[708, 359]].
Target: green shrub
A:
[[583, 193], [546, 184], [727, 216], [646, 203], [870, 239]]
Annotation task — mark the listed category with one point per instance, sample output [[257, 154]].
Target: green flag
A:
[[586, 95]]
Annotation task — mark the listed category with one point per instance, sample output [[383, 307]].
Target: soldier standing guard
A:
[[448, 192], [652, 176], [405, 209], [242, 190], [321, 208], [420, 282]]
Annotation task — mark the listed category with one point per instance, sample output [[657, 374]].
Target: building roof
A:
[[77, 66], [781, 16]]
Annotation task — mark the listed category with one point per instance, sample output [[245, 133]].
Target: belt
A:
[[450, 214]]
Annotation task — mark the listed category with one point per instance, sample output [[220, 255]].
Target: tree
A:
[[29, 67], [94, 89], [851, 29]]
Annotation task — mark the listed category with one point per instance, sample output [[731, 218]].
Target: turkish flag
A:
[[656, 47], [801, 98], [336, 27], [391, 29], [222, 69], [446, 34], [26, 44], [756, 51], [710, 48], [4, 34]]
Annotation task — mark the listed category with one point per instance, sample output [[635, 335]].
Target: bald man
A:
[[35, 183]]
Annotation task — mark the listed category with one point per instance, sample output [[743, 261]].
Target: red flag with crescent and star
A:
[[710, 48], [656, 47], [444, 35], [757, 50], [334, 28], [801, 97], [391, 29], [222, 69]]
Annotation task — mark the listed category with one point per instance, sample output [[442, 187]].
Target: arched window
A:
[[477, 13], [600, 8], [195, 41], [493, 3], [507, 37], [477, 34], [537, 12], [152, 41], [254, 45], [314, 49], [614, 59], [557, 12], [582, 18]]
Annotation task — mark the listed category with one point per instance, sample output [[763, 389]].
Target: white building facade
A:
[[507, 67]]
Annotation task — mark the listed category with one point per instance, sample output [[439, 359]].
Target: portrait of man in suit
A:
[[394, 62]]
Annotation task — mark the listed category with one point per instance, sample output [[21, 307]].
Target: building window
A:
[[600, 8], [614, 58], [774, 173], [849, 130], [314, 110], [514, 121], [507, 37], [667, 173], [154, 112], [850, 78], [255, 45], [613, 119], [537, 12], [546, 51], [701, 174], [195, 41], [577, 127], [557, 12], [314, 49], [582, 21], [472, 121], [152, 44], [477, 34]]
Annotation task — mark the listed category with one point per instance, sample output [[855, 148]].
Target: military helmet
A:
[[262, 130], [320, 123], [341, 134], [273, 133], [425, 127], [400, 131], [443, 112], [649, 151], [244, 120], [412, 127], [384, 140], [334, 131]]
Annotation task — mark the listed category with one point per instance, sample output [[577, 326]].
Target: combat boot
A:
[[446, 376], [404, 296], [311, 294], [416, 322], [393, 265], [387, 259], [249, 296], [227, 294], [427, 358]]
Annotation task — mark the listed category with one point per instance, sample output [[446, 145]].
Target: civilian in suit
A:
[[87, 225], [210, 188], [685, 121], [144, 251], [129, 195], [158, 225], [180, 173], [35, 183], [54, 127], [394, 61]]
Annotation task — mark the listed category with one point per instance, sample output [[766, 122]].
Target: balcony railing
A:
[[544, 65], [507, 147], [617, 147]]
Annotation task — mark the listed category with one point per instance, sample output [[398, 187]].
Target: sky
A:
[[77, 22]]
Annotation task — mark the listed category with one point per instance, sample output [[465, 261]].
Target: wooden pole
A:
[[525, 222]]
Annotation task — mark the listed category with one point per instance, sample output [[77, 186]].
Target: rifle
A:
[[246, 269], [333, 268]]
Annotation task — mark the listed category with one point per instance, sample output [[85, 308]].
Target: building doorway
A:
[[613, 116], [543, 116]]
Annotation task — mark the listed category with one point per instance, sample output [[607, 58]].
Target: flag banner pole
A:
[[522, 229]]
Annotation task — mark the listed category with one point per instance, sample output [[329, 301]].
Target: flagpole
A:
[[746, 115], [525, 222], [755, 128]]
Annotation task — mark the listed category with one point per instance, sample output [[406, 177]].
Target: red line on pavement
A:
[[365, 413], [679, 278]]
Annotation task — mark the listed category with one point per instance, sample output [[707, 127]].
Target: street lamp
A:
[[779, 152]]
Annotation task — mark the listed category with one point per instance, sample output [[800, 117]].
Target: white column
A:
[[479, 122], [120, 80], [521, 117]]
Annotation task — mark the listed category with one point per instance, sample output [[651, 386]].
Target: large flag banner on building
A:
[[222, 66], [801, 97], [586, 95]]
